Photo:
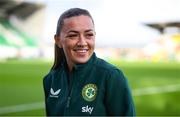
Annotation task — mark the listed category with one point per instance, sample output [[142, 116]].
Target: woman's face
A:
[[77, 38]]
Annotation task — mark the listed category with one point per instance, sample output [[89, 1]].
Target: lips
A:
[[81, 50]]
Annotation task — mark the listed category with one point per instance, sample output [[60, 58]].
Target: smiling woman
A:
[[77, 39], [80, 83]]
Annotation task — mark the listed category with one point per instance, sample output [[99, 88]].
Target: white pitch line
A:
[[135, 92], [156, 90], [21, 107]]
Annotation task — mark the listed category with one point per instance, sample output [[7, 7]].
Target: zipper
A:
[[68, 102], [71, 79]]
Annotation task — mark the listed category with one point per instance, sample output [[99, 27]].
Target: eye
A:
[[72, 35], [89, 35]]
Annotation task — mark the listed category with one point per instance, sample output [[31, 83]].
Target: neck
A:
[[70, 66]]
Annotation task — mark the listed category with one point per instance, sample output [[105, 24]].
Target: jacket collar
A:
[[83, 66], [86, 65]]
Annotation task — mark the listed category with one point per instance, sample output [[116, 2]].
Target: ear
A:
[[57, 41]]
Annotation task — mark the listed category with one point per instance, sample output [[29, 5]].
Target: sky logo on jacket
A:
[[54, 94], [87, 109]]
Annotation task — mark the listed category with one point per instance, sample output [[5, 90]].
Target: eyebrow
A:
[[89, 30], [73, 31]]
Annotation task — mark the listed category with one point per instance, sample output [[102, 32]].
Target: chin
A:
[[81, 60]]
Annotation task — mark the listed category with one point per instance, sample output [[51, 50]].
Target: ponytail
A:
[[59, 57]]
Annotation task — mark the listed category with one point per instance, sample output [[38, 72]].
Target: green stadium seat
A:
[[12, 36]]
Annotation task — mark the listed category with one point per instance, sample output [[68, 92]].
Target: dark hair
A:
[[59, 56]]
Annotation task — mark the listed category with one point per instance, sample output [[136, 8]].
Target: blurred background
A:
[[141, 37]]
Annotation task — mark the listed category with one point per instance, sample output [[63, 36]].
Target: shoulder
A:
[[100, 63], [50, 76], [108, 67], [113, 73]]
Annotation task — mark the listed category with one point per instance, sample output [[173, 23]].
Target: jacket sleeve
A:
[[118, 99], [46, 86]]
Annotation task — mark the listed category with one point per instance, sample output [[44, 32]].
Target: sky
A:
[[118, 23]]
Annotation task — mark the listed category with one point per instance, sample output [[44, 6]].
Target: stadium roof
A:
[[19, 8], [9, 34], [161, 26]]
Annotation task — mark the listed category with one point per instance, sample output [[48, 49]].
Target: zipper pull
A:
[[68, 102]]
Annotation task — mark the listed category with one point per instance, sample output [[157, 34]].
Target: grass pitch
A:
[[21, 83]]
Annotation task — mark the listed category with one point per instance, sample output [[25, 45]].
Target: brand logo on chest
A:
[[89, 92], [54, 94]]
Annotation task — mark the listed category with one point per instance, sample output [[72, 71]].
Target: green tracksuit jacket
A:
[[95, 88]]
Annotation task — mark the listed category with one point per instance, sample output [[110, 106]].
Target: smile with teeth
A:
[[81, 50]]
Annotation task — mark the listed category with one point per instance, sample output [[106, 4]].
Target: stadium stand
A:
[[11, 36]]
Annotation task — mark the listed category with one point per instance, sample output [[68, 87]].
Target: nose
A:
[[82, 41]]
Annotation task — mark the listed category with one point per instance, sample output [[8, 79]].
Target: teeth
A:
[[81, 50]]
